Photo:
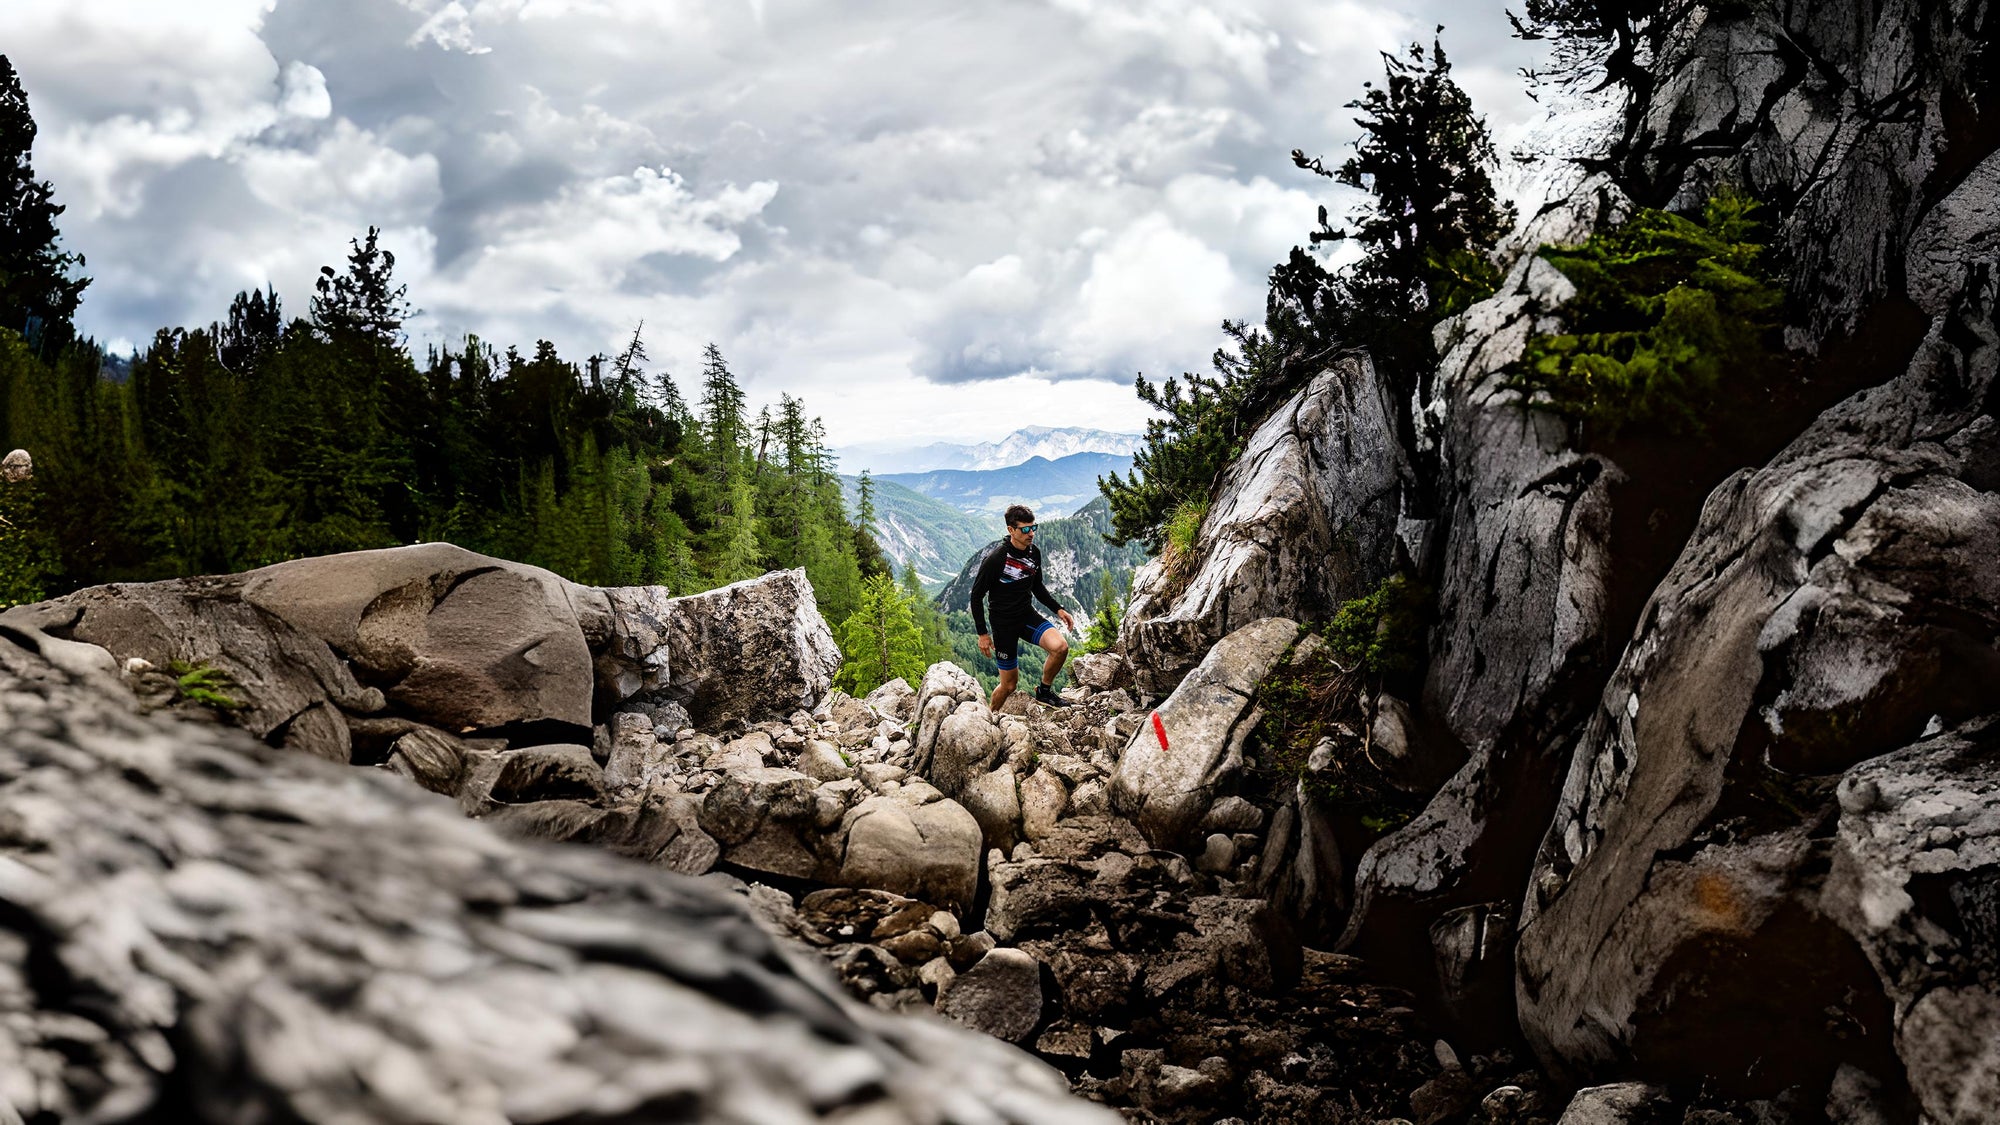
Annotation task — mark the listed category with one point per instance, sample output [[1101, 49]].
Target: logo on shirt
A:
[[1015, 569]]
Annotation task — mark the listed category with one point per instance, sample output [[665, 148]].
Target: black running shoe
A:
[[1047, 697]]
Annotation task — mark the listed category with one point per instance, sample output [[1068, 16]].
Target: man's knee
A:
[[1009, 677], [1055, 642]]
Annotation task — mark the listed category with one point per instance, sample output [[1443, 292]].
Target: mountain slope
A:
[[910, 526]]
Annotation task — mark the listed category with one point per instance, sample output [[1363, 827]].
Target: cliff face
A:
[[1727, 705]]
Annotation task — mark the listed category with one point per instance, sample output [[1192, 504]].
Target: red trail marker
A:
[[1160, 729]]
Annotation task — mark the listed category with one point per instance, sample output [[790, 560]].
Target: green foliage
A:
[[37, 294], [1183, 526], [930, 621], [880, 640], [1102, 634], [205, 684], [1667, 308], [1204, 423], [1313, 697], [27, 552], [364, 301], [1381, 634], [1423, 158]]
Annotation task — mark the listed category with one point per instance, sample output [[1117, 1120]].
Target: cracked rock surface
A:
[[1303, 521], [198, 927]]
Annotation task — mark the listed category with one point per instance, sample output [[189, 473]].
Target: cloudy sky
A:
[[930, 220]]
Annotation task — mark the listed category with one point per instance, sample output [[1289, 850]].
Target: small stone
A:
[[823, 761], [1218, 855], [936, 975], [969, 948], [1001, 995]]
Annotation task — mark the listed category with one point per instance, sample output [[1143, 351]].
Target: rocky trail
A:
[[1685, 810]]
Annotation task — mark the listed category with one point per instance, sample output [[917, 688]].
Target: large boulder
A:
[[433, 634], [1830, 608], [278, 682], [629, 644], [945, 689], [456, 638], [912, 841], [242, 934], [1166, 784], [1304, 520], [754, 650], [1916, 884]]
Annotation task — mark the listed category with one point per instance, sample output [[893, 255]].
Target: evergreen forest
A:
[[266, 435]]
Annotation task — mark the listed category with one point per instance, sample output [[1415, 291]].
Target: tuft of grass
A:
[[1177, 539], [205, 684]]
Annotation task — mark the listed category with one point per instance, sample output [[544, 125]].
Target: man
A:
[[1012, 572]]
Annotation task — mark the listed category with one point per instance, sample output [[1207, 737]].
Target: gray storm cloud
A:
[[862, 197]]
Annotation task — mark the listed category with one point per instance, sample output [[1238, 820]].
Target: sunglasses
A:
[[1025, 527]]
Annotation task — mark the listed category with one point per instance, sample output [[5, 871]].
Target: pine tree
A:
[[1423, 157], [864, 507], [880, 641], [930, 620], [1103, 632], [37, 294], [739, 555], [363, 301]]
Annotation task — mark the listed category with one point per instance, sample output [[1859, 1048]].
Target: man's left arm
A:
[[1042, 595]]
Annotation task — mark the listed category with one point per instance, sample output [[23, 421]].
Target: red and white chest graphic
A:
[[1014, 569]]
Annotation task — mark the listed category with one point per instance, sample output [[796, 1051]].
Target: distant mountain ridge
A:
[[1050, 487], [1052, 443]]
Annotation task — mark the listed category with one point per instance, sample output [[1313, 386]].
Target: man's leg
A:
[[1057, 646], [1005, 687], [1006, 654]]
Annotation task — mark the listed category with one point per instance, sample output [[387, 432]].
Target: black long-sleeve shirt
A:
[[1011, 576]]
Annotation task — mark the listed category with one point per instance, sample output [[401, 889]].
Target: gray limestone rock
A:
[[755, 650], [945, 687], [1100, 671], [913, 842], [1001, 996], [277, 672], [1304, 520], [1829, 608], [462, 640], [1619, 1103], [246, 934], [1916, 884], [1167, 790], [894, 699]]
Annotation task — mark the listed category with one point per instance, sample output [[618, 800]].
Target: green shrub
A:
[[1312, 695], [205, 684], [1667, 307], [1382, 633]]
